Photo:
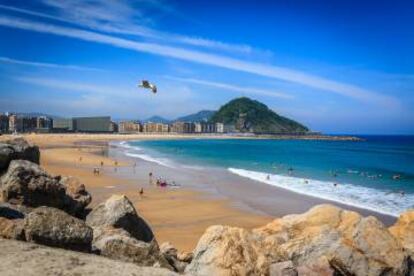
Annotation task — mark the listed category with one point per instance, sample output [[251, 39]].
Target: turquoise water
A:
[[357, 173]]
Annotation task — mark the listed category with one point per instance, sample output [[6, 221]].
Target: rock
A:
[[21, 258], [53, 227], [185, 257], [283, 269], [17, 149], [403, 230], [320, 267], [119, 212], [11, 229], [12, 211], [224, 250], [326, 239], [26, 183], [170, 254], [353, 245], [77, 196], [116, 243]]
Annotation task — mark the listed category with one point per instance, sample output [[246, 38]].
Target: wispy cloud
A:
[[276, 72], [119, 18], [236, 88], [48, 65]]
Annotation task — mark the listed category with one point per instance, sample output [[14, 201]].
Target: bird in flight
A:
[[146, 84]]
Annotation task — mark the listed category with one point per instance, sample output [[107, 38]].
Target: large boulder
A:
[[28, 184], [77, 196], [116, 243], [16, 149], [403, 230], [22, 258], [53, 227], [324, 239], [224, 250], [118, 212]]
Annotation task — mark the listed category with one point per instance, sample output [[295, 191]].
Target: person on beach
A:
[[141, 192], [150, 178], [102, 163], [268, 177]]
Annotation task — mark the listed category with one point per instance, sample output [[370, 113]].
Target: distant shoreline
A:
[[171, 135]]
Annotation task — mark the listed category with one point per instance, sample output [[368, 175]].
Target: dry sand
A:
[[177, 215]]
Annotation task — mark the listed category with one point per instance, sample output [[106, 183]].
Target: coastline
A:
[[177, 215]]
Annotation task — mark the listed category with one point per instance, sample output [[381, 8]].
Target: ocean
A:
[[361, 174]]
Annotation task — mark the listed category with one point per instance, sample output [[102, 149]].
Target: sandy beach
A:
[[179, 215]]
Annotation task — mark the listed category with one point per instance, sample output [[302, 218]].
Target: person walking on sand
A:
[[102, 163], [150, 178]]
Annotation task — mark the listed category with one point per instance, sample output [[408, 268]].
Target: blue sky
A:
[[336, 66]]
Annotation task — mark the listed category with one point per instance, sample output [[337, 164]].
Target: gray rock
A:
[[27, 184], [53, 227], [118, 212], [17, 149], [283, 269], [170, 253], [118, 244], [21, 258], [77, 197]]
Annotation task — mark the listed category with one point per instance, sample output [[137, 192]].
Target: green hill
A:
[[252, 116]]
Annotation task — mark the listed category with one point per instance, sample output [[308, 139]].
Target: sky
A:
[[335, 66]]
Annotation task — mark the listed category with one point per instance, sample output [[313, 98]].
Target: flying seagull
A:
[[146, 84]]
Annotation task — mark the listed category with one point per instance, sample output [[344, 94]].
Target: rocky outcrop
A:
[[17, 149], [53, 227], [116, 243], [119, 212], [170, 253], [21, 258], [403, 231], [77, 197], [26, 183], [349, 243], [121, 234]]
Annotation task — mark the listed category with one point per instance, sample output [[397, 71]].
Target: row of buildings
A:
[[176, 127], [10, 123]]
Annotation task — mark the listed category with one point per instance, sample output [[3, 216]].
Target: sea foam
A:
[[358, 196]]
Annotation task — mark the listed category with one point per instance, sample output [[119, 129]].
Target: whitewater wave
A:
[[124, 144], [358, 196], [160, 161]]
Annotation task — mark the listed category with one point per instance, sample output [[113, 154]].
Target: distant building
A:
[[183, 127], [219, 127], [113, 127], [229, 128], [204, 128], [92, 124], [4, 123], [129, 127], [29, 124], [156, 127], [62, 125], [15, 123], [43, 124]]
